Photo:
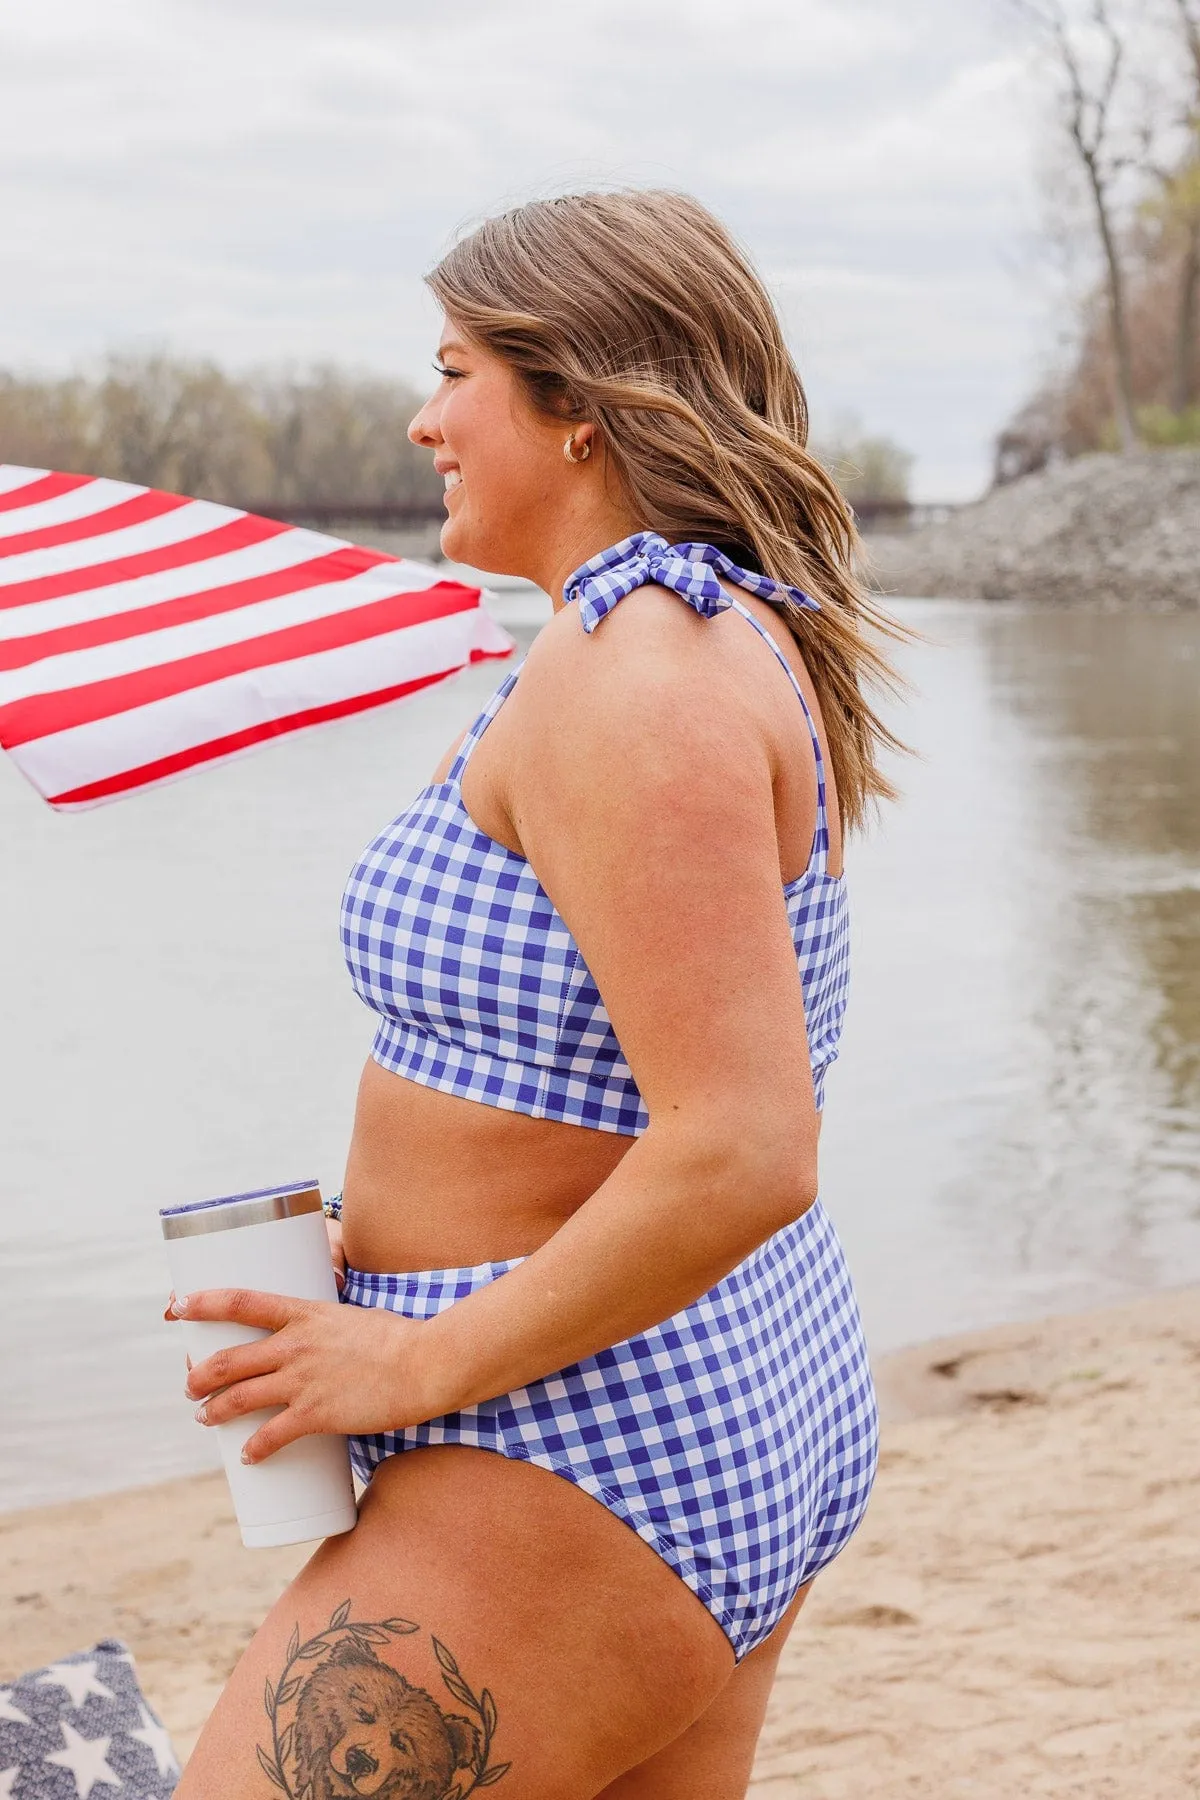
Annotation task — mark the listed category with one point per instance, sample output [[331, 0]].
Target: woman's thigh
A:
[[714, 1757], [483, 1613]]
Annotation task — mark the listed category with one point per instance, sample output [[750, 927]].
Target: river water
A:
[[1013, 1128]]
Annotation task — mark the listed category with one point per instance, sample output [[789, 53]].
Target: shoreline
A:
[[1118, 532], [1020, 1611]]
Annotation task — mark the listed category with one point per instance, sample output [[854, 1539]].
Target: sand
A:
[[1019, 1615]]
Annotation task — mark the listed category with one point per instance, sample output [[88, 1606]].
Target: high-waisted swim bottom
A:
[[738, 1438]]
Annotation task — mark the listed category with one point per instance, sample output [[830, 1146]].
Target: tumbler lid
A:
[[234, 1210]]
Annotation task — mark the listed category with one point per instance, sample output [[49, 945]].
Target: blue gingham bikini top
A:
[[480, 988]]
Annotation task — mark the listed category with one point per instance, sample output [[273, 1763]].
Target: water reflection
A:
[[1114, 705], [1053, 1015], [1111, 706]]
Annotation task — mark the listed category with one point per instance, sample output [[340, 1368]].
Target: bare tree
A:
[[1188, 12], [1154, 158], [1182, 195], [324, 439], [335, 437], [180, 425], [1089, 92], [46, 424]]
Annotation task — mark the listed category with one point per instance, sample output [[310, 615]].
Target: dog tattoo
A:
[[345, 1724]]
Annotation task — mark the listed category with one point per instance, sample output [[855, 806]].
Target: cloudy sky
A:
[[266, 180]]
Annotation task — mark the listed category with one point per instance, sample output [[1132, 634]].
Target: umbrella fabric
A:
[[143, 634]]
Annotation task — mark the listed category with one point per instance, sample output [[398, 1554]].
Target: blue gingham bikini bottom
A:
[[738, 1438]]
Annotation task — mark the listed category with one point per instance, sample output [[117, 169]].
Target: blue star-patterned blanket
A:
[[80, 1729]]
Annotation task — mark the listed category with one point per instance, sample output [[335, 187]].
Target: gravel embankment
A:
[[1119, 531]]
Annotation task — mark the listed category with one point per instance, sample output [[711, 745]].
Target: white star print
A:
[[10, 1712], [79, 1679], [157, 1740], [7, 1777], [85, 1757]]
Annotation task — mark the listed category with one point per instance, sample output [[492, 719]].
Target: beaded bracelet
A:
[[332, 1208]]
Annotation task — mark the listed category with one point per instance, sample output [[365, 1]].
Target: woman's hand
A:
[[331, 1368]]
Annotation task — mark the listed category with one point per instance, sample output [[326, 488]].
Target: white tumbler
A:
[[274, 1241]]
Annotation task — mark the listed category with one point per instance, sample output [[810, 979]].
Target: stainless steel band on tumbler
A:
[[242, 1209]]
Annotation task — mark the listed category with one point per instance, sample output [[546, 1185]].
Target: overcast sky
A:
[[264, 180]]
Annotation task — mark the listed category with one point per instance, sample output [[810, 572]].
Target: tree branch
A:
[[1088, 103], [1189, 19]]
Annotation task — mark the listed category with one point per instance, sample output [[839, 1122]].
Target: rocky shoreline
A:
[[1110, 531]]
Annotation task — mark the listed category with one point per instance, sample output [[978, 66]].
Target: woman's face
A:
[[502, 462]]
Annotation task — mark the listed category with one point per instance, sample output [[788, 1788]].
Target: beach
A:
[[1020, 1613]]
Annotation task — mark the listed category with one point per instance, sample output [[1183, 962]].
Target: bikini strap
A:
[[691, 570], [454, 774], [819, 860]]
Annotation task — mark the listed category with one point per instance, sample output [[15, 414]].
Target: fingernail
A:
[[247, 1459], [179, 1303], [202, 1415]]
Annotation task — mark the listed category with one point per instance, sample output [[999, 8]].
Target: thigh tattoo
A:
[[346, 1725]]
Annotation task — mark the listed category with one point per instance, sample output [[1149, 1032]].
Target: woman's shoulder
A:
[[643, 697], [650, 650]]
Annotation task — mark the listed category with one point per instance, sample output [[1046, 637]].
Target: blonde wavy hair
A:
[[636, 310]]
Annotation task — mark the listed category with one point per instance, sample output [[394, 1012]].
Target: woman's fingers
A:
[[239, 1306], [244, 1397], [284, 1428], [240, 1362], [300, 1368]]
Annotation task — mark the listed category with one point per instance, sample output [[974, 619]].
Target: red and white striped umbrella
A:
[[144, 634]]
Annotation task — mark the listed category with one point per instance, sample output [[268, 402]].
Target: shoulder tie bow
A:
[[690, 570]]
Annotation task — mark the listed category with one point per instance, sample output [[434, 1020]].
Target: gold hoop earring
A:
[[569, 450]]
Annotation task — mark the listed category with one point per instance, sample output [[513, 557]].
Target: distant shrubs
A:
[[1158, 427], [1163, 429], [871, 470], [322, 437]]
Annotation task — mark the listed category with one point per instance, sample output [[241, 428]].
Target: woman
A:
[[622, 1416]]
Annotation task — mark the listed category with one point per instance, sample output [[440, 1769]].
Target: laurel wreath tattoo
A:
[[340, 1716]]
